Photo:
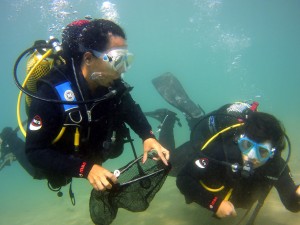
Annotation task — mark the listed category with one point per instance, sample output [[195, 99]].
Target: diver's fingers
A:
[[105, 183], [111, 178], [95, 186], [100, 186], [145, 156], [108, 179], [226, 209], [167, 154], [234, 213], [100, 178], [164, 155]]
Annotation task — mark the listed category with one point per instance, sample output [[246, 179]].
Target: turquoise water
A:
[[221, 51]]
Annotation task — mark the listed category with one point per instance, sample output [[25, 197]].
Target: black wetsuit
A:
[[60, 160], [15, 145], [207, 169], [246, 190]]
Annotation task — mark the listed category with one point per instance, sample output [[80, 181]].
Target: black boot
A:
[[167, 121], [162, 115]]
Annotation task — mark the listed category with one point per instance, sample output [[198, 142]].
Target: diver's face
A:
[[256, 153], [100, 71]]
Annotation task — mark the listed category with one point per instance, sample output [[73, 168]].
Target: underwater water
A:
[[221, 51]]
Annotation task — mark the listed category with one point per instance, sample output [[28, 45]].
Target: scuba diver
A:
[[233, 157], [12, 148], [74, 139]]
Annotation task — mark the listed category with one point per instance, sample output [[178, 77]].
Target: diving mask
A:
[[261, 152], [120, 59]]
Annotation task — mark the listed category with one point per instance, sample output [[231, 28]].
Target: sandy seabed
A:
[[35, 204]]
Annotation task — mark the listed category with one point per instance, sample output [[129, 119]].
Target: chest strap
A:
[[66, 93]]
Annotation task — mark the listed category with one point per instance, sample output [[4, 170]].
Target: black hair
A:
[[82, 36], [261, 127]]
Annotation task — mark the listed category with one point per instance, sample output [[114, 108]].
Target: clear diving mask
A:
[[260, 151], [120, 59]]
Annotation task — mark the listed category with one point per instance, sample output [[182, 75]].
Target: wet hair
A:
[[83, 35], [262, 127]]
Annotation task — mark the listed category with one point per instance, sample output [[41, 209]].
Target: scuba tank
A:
[[41, 68], [43, 55]]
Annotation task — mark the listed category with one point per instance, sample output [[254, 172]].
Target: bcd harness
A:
[[242, 108]]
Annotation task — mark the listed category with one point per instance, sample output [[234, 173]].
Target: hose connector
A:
[[57, 49]]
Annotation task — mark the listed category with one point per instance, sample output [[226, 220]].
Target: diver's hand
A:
[[226, 209], [298, 194], [151, 144], [101, 179], [298, 191]]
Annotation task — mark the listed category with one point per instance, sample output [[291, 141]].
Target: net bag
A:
[[138, 184]]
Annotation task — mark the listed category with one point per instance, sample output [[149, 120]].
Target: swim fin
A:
[[172, 91]]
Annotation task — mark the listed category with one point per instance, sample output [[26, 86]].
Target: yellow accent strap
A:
[[227, 197], [76, 139]]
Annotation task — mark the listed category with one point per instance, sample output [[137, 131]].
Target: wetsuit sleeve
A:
[[287, 189], [188, 183], [44, 123], [135, 118]]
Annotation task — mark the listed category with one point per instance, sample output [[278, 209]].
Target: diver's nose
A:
[[252, 155]]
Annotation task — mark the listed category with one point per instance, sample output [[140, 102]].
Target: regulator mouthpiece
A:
[[247, 170]]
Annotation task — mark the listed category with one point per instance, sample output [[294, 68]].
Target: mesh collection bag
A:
[[138, 184]]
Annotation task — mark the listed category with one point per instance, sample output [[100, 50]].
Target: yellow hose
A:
[[59, 135], [220, 132], [204, 146], [211, 189]]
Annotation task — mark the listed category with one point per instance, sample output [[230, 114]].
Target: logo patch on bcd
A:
[[69, 95], [202, 163], [36, 123], [238, 107]]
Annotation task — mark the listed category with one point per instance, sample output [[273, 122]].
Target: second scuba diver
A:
[[233, 158]]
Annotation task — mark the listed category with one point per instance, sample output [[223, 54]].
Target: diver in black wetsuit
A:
[[65, 141], [233, 157]]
